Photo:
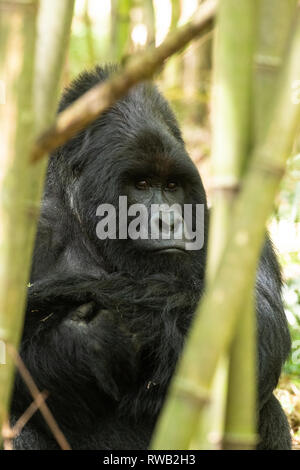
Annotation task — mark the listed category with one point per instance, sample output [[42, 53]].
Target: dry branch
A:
[[10, 433], [36, 395], [28, 413], [140, 67]]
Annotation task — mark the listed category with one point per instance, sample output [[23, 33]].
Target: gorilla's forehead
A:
[[139, 134], [156, 151], [147, 150], [142, 108]]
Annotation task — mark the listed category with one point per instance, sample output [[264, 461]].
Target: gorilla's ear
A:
[[68, 161]]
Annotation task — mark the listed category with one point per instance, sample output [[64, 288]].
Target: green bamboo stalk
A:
[[273, 26], [53, 27], [196, 68], [55, 18], [204, 73], [120, 28], [209, 431], [215, 321], [149, 18], [241, 420], [89, 35], [25, 112], [234, 47], [274, 29], [173, 68], [17, 43]]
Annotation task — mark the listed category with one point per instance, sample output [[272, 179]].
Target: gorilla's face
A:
[[135, 199], [134, 189]]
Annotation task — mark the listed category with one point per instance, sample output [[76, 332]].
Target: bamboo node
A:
[[5, 335], [230, 189], [191, 392], [227, 184], [17, 4], [269, 168], [268, 62], [215, 438], [241, 441]]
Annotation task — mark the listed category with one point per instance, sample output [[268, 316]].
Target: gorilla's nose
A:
[[167, 224]]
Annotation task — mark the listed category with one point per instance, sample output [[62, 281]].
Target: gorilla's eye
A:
[[143, 184], [171, 186]]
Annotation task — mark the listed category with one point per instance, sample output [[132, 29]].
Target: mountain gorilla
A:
[[106, 319]]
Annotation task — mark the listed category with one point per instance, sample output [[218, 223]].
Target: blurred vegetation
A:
[[285, 231]]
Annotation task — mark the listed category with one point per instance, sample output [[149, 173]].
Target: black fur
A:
[[106, 321]]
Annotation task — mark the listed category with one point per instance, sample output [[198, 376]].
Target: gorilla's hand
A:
[[92, 358], [109, 348]]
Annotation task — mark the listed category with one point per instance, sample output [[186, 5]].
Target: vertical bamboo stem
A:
[[234, 47], [273, 29], [120, 28], [17, 43], [27, 110], [215, 321]]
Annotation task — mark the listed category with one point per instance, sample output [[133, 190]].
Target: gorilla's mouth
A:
[[170, 250]]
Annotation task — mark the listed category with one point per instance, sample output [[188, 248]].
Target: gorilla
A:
[[106, 318]]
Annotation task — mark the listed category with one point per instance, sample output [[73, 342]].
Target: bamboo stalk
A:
[[234, 47], [53, 29], [17, 43], [173, 69], [23, 114], [241, 421], [236, 27], [215, 321], [55, 18], [273, 26], [120, 28], [149, 19], [89, 35], [274, 29]]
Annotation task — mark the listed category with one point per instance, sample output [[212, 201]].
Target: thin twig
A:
[[9, 433], [7, 436], [139, 67], [28, 413], [45, 411]]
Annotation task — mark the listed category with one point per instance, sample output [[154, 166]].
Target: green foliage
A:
[[78, 59], [291, 295]]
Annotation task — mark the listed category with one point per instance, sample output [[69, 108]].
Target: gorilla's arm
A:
[[74, 352], [272, 329]]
